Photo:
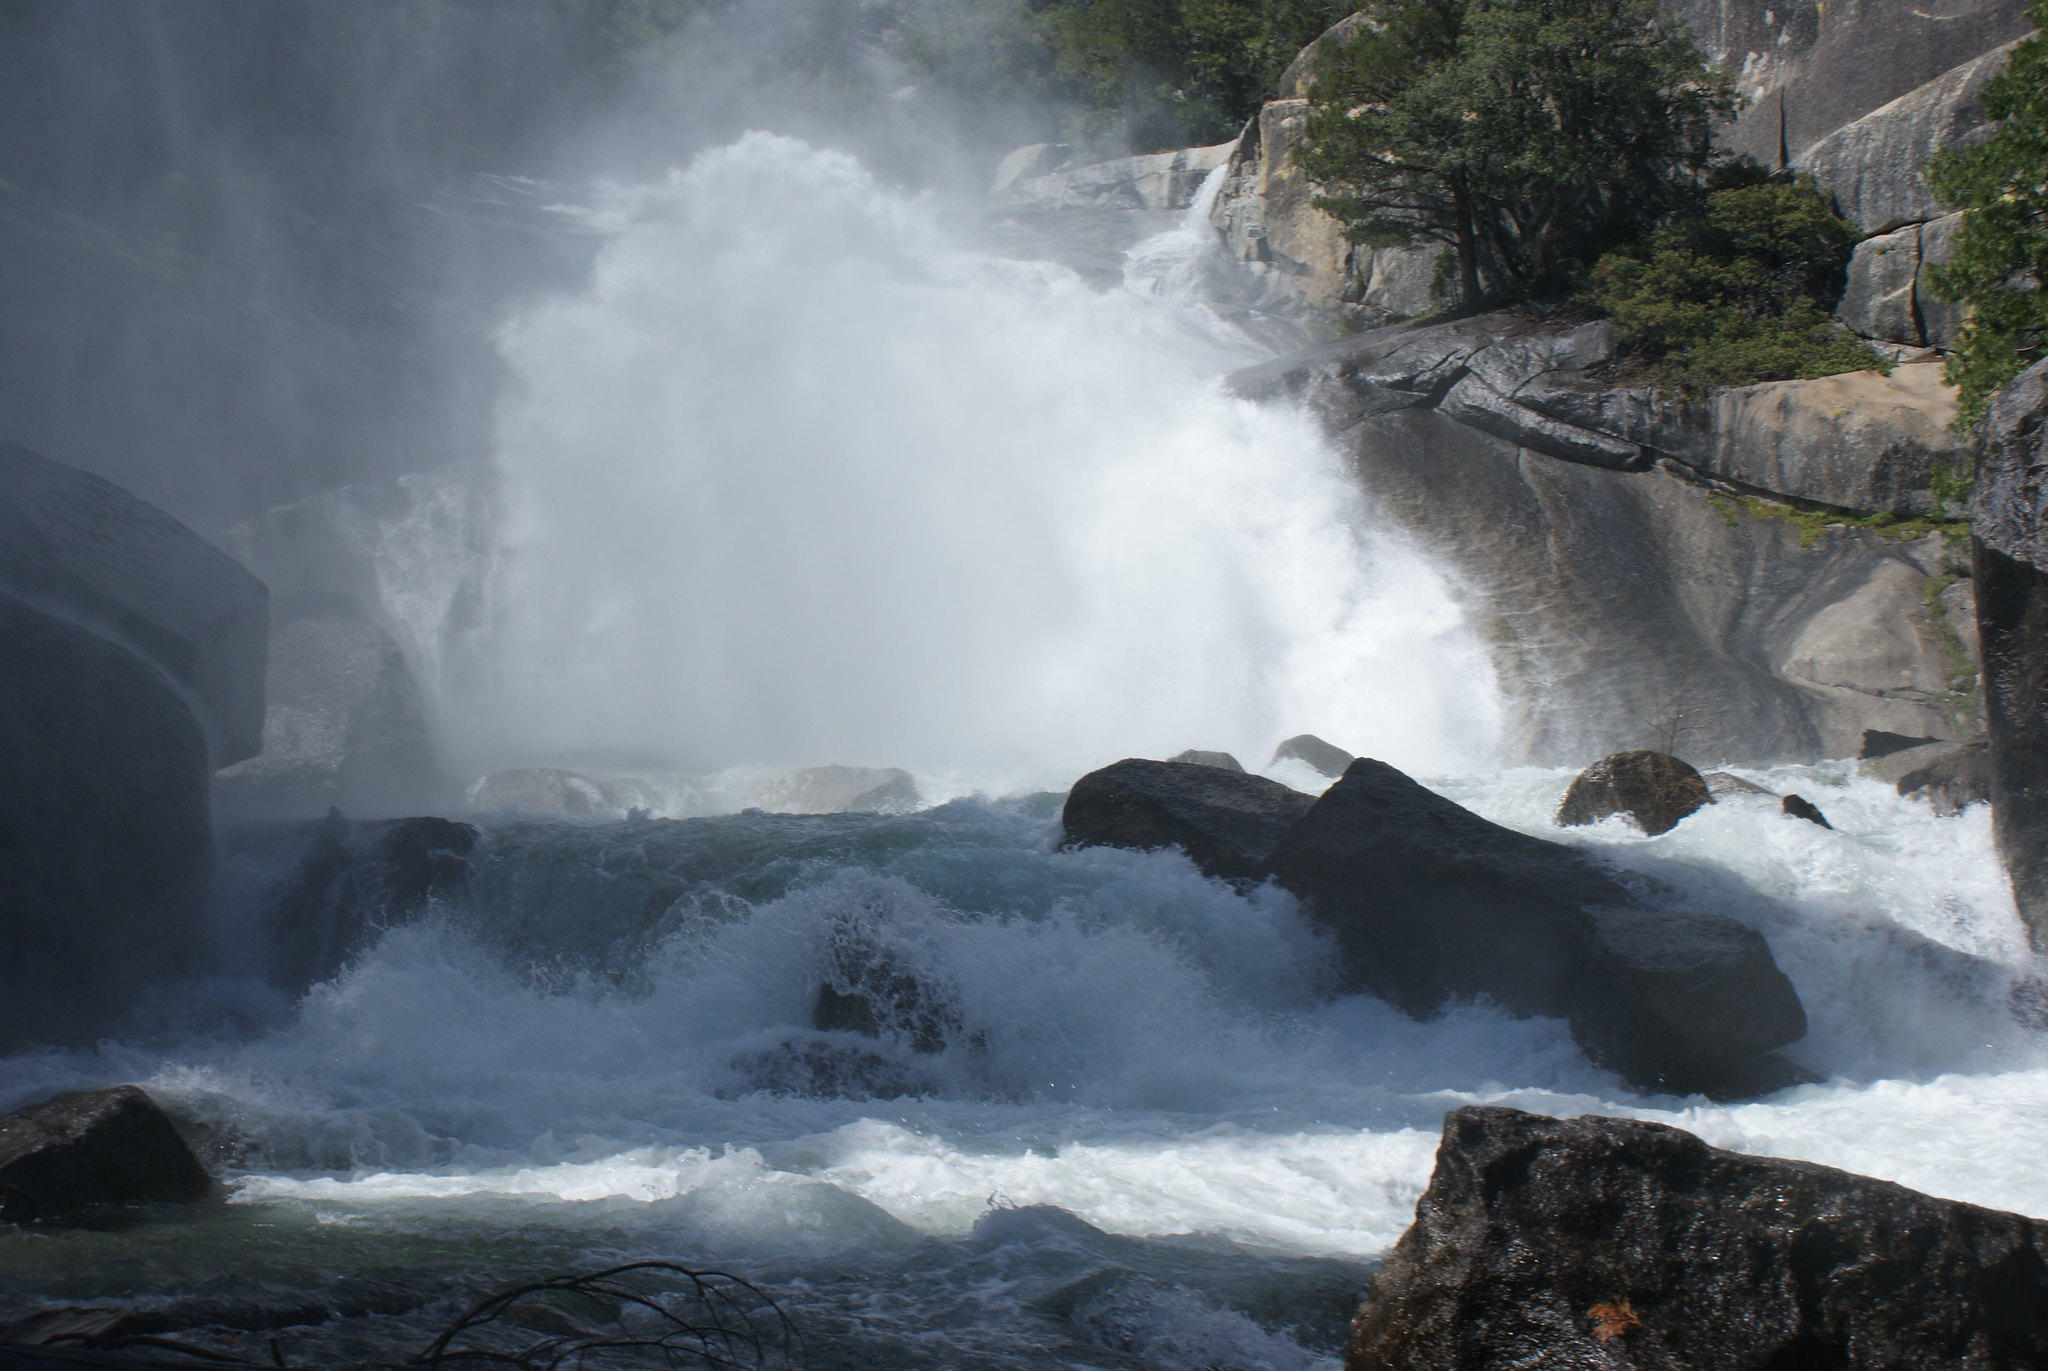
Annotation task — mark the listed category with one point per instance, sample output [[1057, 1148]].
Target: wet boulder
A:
[[90, 1149], [1799, 807], [1431, 904], [344, 725], [1327, 758], [106, 841], [1196, 757], [1598, 1242], [1721, 784], [82, 549], [848, 790], [1951, 777], [541, 792], [1226, 821], [1653, 788], [356, 880], [868, 989]]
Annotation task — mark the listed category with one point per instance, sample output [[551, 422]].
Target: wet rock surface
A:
[[1327, 758], [1655, 789], [1227, 822], [1599, 1242], [1429, 903], [89, 1149]]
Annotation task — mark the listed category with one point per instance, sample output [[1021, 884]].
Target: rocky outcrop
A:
[[1887, 297], [82, 549], [1429, 903], [354, 881], [344, 725], [1598, 1242], [1226, 821], [1159, 182], [1611, 545], [91, 1149], [2011, 557], [1655, 789], [106, 840]]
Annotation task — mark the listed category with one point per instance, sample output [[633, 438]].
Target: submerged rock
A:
[[355, 881], [1610, 1242], [1223, 761], [88, 1149], [1655, 789], [1950, 777], [1430, 903], [1799, 807], [1327, 758], [1226, 821], [1720, 784], [849, 790], [868, 990]]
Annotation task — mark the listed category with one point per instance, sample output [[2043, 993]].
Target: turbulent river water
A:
[[978, 518]]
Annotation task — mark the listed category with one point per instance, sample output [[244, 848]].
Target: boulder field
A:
[[1429, 904]]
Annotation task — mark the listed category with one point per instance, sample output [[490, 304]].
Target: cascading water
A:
[[800, 479]]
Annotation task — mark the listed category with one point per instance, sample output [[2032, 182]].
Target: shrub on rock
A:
[[1653, 788]]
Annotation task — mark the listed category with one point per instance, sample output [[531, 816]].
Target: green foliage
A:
[[1738, 291], [1524, 135], [2001, 254], [1169, 73]]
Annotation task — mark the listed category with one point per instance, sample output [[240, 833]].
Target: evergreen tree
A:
[[1523, 135], [2001, 254]]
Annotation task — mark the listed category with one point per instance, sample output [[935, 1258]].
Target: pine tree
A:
[[2001, 254], [1523, 135]]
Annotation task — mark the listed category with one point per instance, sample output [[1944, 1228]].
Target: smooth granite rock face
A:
[[2011, 559], [74, 1153], [1872, 166], [1429, 904], [106, 836], [1226, 821], [1159, 182], [1596, 1243], [83, 549]]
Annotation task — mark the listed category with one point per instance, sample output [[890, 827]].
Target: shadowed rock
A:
[[1653, 788], [357, 880], [1221, 760], [1430, 903], [1327, 758], [89, 1149], [1226, 821], [1878, 743], [1613, 1243]]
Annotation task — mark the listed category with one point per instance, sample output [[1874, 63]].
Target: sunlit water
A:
[[798, 480]]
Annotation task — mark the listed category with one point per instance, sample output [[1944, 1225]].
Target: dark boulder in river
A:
[[1226, 821], [106, 843], [1614, 1243], [1655, 789], [1430, 904], [89, 1149]]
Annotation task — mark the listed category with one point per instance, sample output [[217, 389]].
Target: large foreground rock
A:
[[1226, 821], [1429, 903], [2011, 563], [92, 1148], [83, 549], [106, 842], [1613, 1243]]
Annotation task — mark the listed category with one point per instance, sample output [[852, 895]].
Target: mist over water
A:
[[798, 479]]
